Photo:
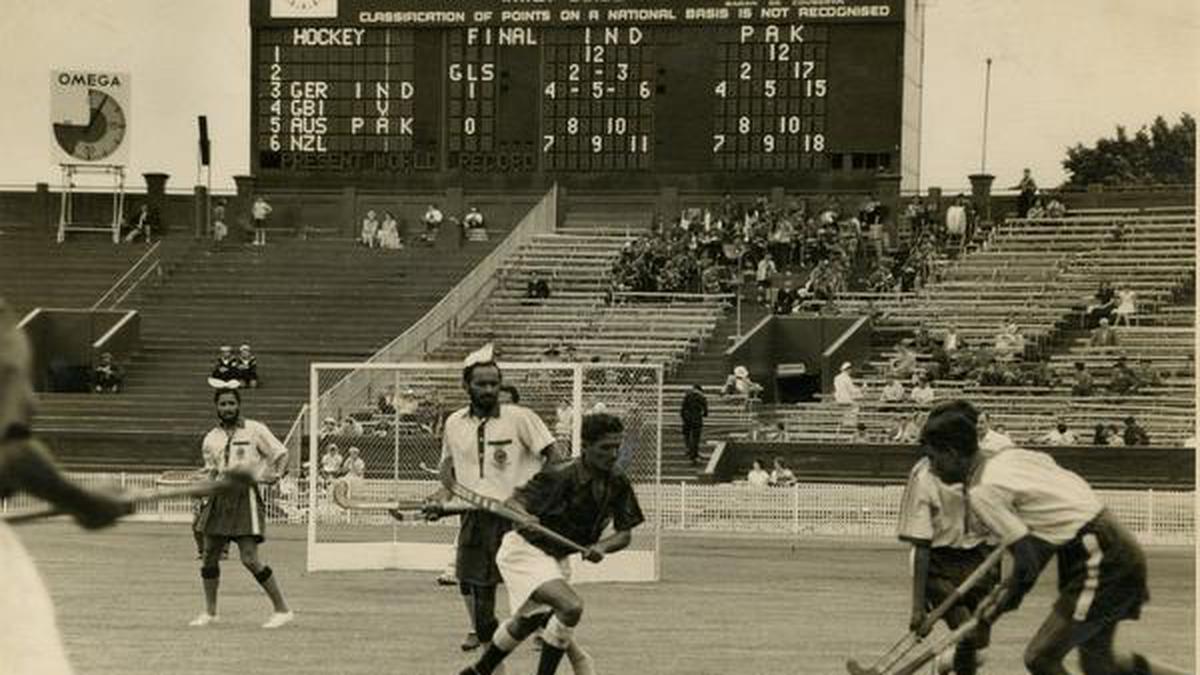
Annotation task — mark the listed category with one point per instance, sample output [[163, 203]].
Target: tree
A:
[[1155, 155]]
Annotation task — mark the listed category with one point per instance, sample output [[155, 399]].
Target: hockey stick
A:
[[955, 636], [521, 519], [227, 483], [399, 510], [887, 661]]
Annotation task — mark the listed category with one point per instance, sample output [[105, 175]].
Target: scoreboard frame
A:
[[671, 79]]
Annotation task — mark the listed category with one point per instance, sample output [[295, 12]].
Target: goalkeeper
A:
[[577, 499]]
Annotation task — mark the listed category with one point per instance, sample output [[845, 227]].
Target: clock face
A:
[[101, 136]]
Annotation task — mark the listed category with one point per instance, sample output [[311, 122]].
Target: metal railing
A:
[[150, 262]]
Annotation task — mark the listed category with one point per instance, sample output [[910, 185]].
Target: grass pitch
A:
[[727, 606]]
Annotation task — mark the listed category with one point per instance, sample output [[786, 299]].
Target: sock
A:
[[965, 660], [551, 656]]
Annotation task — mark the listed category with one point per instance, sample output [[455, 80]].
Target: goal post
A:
[[390, 415]]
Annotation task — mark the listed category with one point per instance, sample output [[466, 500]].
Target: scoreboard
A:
[[613, 92]]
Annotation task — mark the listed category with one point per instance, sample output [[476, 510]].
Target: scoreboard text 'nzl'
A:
[[632, 91]]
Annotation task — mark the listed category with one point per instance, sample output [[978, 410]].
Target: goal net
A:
[[390, 416]]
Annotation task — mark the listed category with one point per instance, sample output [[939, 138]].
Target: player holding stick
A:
[[1040, 510], [491, 449], [577, 500], [30, 642], [944, 552], [244, 446]]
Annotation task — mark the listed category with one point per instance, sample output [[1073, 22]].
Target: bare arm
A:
[[26, 465], [920, 572]]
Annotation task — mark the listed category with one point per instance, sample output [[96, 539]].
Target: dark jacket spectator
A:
[[1083, 385], [1134, 433], [692, 411], [225, 372], [537, 288], [246, 367], [1123, 380], [107, 376]]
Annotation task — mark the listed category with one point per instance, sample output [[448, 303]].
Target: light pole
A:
[[987, 90]]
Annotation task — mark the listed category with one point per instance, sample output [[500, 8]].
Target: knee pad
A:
[[263, 575], [213, 572], [557, 634]]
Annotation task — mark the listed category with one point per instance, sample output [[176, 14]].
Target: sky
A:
[[1063, 72]]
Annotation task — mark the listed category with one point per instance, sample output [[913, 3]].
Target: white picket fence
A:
[[1160, 517]]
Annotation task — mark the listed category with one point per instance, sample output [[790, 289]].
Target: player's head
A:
[[951, 439], [601, 435], [482, 378], [229, 404]]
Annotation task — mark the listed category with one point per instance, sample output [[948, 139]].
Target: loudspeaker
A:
[[202, 121]]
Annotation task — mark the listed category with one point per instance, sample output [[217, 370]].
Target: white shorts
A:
[[29, 641], [526, 567]]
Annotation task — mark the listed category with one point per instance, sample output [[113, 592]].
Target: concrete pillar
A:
[[887, 191], [981, 195], [43, 210], [156, 199], [200, 225], [238, 211]]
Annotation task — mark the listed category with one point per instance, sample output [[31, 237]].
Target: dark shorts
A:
[[1101, 577], [478, 541], [234, 514], [949, 567]]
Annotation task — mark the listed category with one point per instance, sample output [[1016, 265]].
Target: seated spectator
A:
[[1102, 306], [1123, 380], [1112, 436], [1083, 385], [740, 384], [860, 434], [1100, 434], [845, 391], [1055, 208], [893, 392], [1103, 335], [1147, 376], [758, 477], [781, 476], [385, 404], [1009, 341], [433, 223], [1126, 306], [407, 403], [389, 233], [350, 427], [370, 230], [107, 376], [904, 365], [225, 373], [220, 230], [141, 224], [564, 420], [331, 463], [537, 288], [246, 367], [1134, 433], [923, 394], [1059, 435], [354, 466], [922, 340], [473, 227], [329, 427], [908, 430], [950, 341]]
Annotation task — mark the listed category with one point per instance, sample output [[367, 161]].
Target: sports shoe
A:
[[279, 619], [471, 642], [203, 620]]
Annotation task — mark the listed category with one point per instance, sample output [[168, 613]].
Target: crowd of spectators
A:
[[233, 371]]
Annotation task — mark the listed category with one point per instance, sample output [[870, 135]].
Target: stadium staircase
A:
[[293, 301], [1041, 273], [36, 271]]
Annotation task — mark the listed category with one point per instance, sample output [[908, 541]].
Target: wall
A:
[[793, 339]]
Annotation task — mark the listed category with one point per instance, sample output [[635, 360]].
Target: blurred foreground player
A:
[[490, 448], [577, 499], [29, 640], [245, 446], [1040, 510]]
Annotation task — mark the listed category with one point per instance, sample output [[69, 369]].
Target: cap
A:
[[846, 365], [485, 354], [741, 371]]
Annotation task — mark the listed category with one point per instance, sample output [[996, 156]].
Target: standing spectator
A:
[[1134, 433], [781, 476], [107, 375], [246, 367], [956, 220], [433, 223], [692, 411], [225, 374], [1103, 336], [1126, 306], [370, 228], [765, 275], [1061, 434], [1083, 385], [758, 477], [259, 211], [389, 233], [1028, 189], [354, 466]]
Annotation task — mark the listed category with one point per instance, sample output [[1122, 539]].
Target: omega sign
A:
[[89, 117]]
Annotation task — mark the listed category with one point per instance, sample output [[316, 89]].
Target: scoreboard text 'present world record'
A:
[[631, 93]]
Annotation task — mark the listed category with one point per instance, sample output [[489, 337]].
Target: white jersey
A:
[[251, 448], [1019, 492], [934, 513], [495, 455]]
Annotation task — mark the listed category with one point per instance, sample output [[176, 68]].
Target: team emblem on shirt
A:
[[499, 456]]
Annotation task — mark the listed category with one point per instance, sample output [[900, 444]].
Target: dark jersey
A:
[[578, 503]]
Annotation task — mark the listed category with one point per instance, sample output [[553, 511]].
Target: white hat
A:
[[485, 354], [845, 365], [741, 371]]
